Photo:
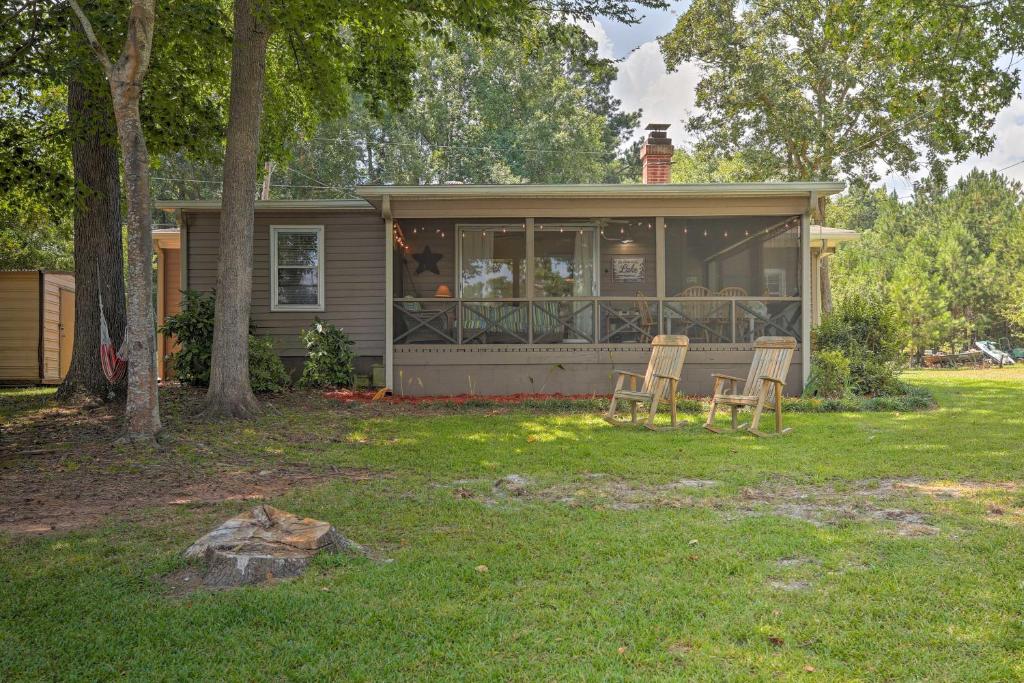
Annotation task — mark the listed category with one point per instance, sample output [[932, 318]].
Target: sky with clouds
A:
[[644, 83]]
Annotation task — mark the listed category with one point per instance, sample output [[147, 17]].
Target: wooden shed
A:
[[37, 326]]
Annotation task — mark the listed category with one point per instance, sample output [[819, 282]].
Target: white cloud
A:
[[1008, 149], [596, 30], [644, 83], [1009, 146]]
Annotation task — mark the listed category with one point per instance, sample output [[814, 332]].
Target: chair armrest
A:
[[766, 378], [660, 376], [627, 372], [718, 375]]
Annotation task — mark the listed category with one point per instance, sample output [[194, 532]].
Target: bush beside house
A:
[[193, 328], [869, 336], [330, 360]]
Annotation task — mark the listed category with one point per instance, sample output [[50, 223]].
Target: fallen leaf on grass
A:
[[622, 650], [809, 669], [482, 568], [776, 641]]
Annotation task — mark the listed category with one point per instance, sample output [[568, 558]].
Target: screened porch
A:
[[595, 281]]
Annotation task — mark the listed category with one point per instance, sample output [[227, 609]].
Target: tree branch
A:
[[90, 37]]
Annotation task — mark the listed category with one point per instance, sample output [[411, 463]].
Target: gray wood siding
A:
[[353, 274]]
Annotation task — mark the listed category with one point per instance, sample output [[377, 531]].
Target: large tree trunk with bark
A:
[[99, 260], [125, 77], [230, 393], [142, 411]]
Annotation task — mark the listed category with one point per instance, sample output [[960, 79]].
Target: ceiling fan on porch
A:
[[622, 229]]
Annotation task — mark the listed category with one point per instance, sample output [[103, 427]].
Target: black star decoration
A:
[[427, 260]]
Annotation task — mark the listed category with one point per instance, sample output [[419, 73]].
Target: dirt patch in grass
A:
[[796, 585], [60, 469], [889, 502], [601, 491], [37, 498], [594, 490], [962, 489], [827, 506]]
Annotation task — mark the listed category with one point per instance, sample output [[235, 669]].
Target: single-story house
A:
[[495, 289]]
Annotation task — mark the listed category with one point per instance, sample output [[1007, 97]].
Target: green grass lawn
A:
[[864, 546]]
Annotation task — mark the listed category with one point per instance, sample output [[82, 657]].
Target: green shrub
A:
[[330, 361], [266, 371], [830, 375], [193, 330], [870, 335]]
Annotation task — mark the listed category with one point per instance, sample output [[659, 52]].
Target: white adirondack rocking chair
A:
[[660, 382], [762, 389]]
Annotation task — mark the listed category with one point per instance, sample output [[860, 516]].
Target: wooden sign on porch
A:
[[628, 268]]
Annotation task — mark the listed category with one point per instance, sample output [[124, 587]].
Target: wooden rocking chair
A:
[[661, 382], [762, 389]]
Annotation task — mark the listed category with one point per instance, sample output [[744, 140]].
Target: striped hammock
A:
[[114, 362]]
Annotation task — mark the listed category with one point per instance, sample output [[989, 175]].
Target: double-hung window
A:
[[296, 267]]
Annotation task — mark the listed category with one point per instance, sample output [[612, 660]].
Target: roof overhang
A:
[[826, 237], [503, 201], [375, 193], [556, 200], [169, 238], [270, 205]]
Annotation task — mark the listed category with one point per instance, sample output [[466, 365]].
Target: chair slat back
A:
[[772, 357], [668, 352], [644, 309]]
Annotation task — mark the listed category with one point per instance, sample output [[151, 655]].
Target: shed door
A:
[[67, 329]]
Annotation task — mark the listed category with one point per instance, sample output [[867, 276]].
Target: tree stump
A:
[[264, 544]]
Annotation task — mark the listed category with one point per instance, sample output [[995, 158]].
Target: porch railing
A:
[[593, 320]]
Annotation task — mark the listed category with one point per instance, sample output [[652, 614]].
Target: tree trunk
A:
[[142, 411], [99, 260], [125, 76], [230, 393], [826, 285]]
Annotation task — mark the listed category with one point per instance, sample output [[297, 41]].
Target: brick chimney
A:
[[656, 155]]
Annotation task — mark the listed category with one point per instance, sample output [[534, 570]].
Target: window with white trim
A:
[[296, 267]]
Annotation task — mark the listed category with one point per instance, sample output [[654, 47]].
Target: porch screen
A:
[[297, 268], [493, 263], [564, 259]]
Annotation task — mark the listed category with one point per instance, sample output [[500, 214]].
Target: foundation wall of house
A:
[[449, 370]]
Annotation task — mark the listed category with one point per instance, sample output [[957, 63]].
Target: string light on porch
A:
[[399, 238]]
